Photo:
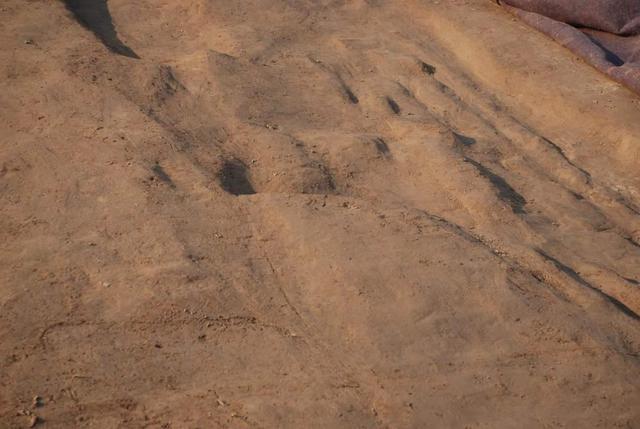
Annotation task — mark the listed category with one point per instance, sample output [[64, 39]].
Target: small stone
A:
[[37, 401], [28, 42], [34, 420]]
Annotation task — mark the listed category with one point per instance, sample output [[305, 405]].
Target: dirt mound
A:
[[312, 214]]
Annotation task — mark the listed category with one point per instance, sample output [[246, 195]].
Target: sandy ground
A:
[[292, 214]]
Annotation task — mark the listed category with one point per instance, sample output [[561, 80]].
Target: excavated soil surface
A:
[[312, 213]]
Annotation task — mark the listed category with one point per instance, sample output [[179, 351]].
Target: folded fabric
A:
[[606, 33]]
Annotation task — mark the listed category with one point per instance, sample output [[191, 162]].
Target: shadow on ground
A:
[[94, 15]]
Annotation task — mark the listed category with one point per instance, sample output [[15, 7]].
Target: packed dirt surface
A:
[[312, 214]]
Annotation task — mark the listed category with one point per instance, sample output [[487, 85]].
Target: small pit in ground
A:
[[234, 178]]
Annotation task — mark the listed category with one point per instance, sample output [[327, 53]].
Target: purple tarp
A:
[[606, 33]]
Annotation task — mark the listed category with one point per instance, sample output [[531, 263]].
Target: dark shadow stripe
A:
[[579, 279], [505, 192], [94, 15]]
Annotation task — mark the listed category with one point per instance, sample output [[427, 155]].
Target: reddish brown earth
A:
[[365, 213]]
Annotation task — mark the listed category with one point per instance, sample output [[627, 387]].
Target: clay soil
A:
[[312, 214]]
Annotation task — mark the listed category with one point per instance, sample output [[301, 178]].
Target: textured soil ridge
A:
[[312, 214]]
